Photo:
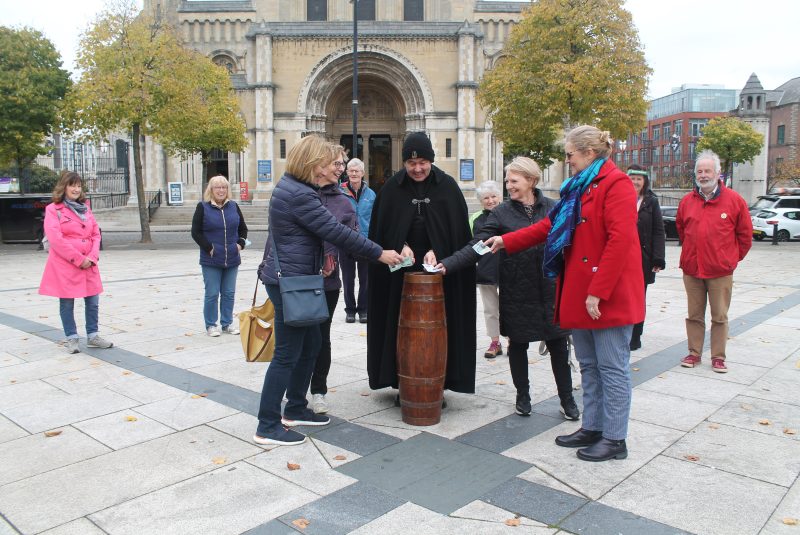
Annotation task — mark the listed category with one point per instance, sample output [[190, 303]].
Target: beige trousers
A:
[[491, 309], [717, 292]]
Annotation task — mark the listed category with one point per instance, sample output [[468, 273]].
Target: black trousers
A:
[[559, 361], [638, 328], [350, 266], [319, 379]]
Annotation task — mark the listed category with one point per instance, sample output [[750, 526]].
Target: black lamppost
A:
[[674, 143], [354, 150]]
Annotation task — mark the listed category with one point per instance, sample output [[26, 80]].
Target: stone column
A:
[[467, 87], [264, 110]]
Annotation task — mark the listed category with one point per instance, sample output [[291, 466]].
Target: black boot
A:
[[604, 450], [569, 408], [579, 439], [523, 407]]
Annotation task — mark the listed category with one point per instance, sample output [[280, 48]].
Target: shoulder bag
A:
[[257, 331], [303, 296]]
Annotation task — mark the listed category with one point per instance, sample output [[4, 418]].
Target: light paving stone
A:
[[670, 411], [315, 472], [199, 357], [48, 500], [400, 521], [645, 441], [9, 430], [749, 413], [80, 526], [738, 373], [355, 400], [461, 525], [696, 498], [92, 378], [539, 476], [163, 331], [402, 434], [145, 390], [185, 411], [788, 509], [37, 454], [780, 384], [6, 529], [240, 425], [330, 453], [31, 371], [7, 359], [227, 501], [35, 417], [237, 371], [485, 512], [755, 455], [122, 429], [28, 392], [709, 390], [464, 413]]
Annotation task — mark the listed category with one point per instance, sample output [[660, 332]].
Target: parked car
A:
[[773, 201], [788, 220], [668, 214]]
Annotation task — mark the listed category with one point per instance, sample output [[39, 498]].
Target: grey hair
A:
[[587, 137], [526, 167], [355, 162], [486, 187], [708, 155]]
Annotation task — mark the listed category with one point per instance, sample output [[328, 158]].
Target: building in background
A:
[[420, 62], [783, 105]]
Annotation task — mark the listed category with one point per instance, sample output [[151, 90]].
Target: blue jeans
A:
[[66, 308], [604, 356], [296, 350], [220, 283]]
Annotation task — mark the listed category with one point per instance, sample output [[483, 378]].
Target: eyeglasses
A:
[[569, 154], [220, 187], [338, 164]]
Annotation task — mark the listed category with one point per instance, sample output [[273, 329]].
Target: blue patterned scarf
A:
[[565, 216]]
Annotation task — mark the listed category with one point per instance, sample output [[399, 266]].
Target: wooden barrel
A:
[[422, 348]]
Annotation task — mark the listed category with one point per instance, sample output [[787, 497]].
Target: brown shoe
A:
[[718, 365], [494, 349], [690, 361]]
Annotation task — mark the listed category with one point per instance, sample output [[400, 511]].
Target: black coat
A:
[[527, 297], [651, 236], [447, 226], [488, 264]]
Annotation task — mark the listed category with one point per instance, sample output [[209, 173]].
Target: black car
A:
[[668, 214]]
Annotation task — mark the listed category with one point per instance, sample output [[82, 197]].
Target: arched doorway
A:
[[393, 100], [381, 124]]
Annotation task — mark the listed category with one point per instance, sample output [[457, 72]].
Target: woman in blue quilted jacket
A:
[[299, 223]]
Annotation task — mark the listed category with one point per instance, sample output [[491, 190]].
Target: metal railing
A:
[[100, 201], [153, 202]]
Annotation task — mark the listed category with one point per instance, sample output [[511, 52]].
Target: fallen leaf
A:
[[713, 426], [340, 458], [764, 422], [660, 376], [198, 396], [500, 382], [365, 394], [219, 460], [301, 523], [788, 431], [745, 407], [12, 381], [292, 466], [691, 457], [126, 373], [203, 395], [331, 390], [131, 419], [53, 433], [43, 317], [179, 348], [636, 369], [512, 522], [789, 521], [188, 334], [797, 364]]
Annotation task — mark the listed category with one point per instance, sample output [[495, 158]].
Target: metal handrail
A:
[[153, 202]]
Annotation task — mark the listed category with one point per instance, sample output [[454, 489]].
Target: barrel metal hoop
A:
[[424, 298], [422, 381], [425, 325]]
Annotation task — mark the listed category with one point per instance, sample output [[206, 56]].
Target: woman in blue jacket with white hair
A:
[[299, 223]]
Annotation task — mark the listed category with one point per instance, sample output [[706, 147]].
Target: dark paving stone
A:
[[507, 432], [434, 472], [352, 437], [344, 510], [273, 527], [598, 519], [534, 501]]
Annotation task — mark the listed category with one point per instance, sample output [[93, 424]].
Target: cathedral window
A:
[[413, 10], [316, 9]]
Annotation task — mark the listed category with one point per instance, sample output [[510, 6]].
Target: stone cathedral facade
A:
[[291, 63]]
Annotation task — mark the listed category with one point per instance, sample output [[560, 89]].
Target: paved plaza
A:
[[154, 436]]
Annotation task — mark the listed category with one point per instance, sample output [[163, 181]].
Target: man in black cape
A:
[[420, 210]]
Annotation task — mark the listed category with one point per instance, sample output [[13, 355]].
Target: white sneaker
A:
[[318, 404], [98, 341], [230, 329], [72, 345], [213, 331]]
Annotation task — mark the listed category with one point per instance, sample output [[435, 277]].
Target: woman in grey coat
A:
[[527, 298]]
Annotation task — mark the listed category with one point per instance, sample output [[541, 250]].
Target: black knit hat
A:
[[417, 145]]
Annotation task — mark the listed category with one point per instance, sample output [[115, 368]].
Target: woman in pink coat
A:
[[71, 270]]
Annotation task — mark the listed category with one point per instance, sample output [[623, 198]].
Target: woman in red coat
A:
[[592, 246], [71, 269]]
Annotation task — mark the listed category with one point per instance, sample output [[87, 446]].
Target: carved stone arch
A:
[[374, 62], [227, 59]]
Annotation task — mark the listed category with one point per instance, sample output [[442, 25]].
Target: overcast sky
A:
[[685, 41]]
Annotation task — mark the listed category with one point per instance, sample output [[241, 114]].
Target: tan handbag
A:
[[257, 331]]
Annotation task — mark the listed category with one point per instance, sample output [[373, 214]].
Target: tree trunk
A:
[[204, 156], [144, 213], [728, 175]]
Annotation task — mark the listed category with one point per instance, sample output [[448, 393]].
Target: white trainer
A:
[[318, 404], [213, 331]]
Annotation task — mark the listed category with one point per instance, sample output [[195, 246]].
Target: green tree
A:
[[32, 88], [567, 62], [733, 140], [214, 121]]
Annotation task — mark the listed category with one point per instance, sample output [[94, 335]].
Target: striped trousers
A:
[[604, 357]]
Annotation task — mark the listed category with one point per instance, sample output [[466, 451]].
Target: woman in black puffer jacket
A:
[[299, 223], [651, 237], [490, 196], [527, 298]]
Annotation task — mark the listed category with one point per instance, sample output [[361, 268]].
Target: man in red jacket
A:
[[716, 231]]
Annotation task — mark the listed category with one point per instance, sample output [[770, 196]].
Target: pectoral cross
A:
[[417, 202]]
